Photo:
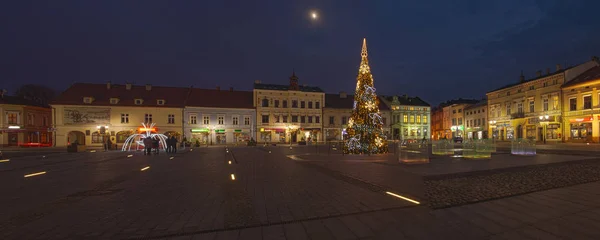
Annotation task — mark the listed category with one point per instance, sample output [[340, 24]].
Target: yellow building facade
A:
[[581, 104], [531, 109], [91, 114]]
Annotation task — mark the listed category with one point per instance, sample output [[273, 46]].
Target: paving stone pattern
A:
[[107, 196]]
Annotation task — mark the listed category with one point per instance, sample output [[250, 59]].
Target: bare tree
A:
[[38, 93]]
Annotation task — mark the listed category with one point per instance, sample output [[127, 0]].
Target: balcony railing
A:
[[535, 114], [517, 115]]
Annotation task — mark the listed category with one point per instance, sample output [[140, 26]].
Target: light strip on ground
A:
[[146, 168], [229, 162], [5, 160], [171, 158], [232, 177], [401, 197], [93, 151], [129, 155], [34, 174]]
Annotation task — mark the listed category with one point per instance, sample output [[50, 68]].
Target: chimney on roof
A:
[[343, 95], [547, 71], [218, 88], [538, 73], [128, 86], [148, 87], [522, 78], [558, 68], [108, 85]]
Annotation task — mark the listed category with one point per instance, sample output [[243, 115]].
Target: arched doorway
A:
[[76, 137], [123, 135], [519, 132]]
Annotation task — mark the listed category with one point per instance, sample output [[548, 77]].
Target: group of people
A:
[[151, 145]]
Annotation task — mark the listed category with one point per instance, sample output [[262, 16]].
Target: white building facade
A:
[[219, 117]]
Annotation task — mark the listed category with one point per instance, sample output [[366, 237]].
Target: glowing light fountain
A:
[[138, 138]]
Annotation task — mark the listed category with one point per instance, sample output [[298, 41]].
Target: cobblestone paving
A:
[[192, 196]]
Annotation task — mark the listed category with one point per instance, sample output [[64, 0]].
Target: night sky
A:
[[437, 50]]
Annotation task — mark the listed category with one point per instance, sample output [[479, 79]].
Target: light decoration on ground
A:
[[365, 127], [138, 138]]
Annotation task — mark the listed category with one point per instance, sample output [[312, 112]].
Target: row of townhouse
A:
[[558, 106], [92, 114]]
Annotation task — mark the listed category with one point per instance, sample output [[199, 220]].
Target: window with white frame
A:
[[531, 105], [87, 100], [246, 121], [114, 100], [205, 120], [220, 120], [235, 120], [193, 119], [139, 101], [587, 102], [148, 118], [555, 103], [171, 119], [124, 117], [30, 119], [545, 104], [160, 102]]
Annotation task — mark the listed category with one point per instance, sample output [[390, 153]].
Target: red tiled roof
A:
[[173, 96], [335, 101], [13, 100], [220, 98], [589, 75]]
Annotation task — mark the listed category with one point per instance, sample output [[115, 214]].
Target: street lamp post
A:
[[544, 122]]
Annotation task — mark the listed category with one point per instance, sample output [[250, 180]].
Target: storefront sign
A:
[[237, 130], [584, 119], [220, 130], [199, 130], [143, 129]]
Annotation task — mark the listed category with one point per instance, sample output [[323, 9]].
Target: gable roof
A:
[[101, 94], [220, 98], [335, 101], [531, 79], [589, 75], [281, 87], [14, 100], [476, 105], [406, 100]]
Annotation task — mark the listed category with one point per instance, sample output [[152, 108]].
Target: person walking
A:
[[173, 144], [107, 144], [147, 145], [169, 145], [155, 145]]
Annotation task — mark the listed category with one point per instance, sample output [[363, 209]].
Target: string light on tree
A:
[[365, 127]]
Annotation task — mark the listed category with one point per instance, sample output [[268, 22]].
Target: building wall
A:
[[476, 122], [276, 131], [411, 122], [215, 132], [582, 124], [33, 123], [334, 131], [85, 129]]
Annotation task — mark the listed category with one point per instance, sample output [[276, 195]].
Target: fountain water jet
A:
[[138, 139]]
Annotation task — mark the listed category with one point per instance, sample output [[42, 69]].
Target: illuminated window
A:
[[424, 119], [220, 120], [193, 119], [554, 102], [148, 118], [412, 118], [235, 120], [205, 120], [418, 118], [405, 120], [171, 119]]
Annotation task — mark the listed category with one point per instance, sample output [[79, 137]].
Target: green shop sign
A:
[[199, 130]]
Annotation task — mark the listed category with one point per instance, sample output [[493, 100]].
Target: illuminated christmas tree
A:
[[365, 126]]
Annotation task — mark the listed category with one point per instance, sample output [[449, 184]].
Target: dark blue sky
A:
[[433, 49]]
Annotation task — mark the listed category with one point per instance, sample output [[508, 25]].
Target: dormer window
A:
[[87, 100], [138, 101], [160, 102], [114, 100]]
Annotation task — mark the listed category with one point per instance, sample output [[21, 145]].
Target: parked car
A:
[[458, 139]]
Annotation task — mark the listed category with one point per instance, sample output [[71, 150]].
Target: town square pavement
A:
[[262, 193]]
